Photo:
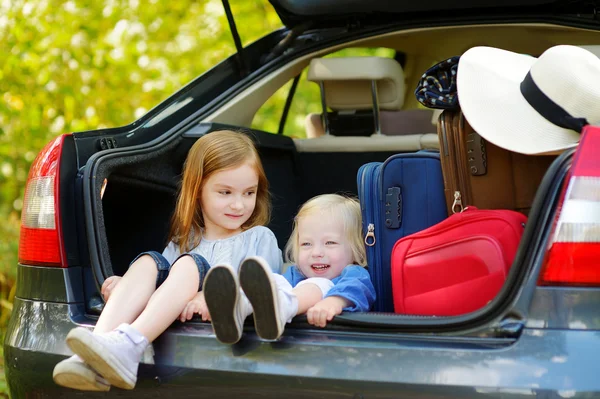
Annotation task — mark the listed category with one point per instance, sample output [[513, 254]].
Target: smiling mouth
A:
[[233, 216], [319, 267]]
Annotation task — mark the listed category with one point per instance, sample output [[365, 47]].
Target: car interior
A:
[[325, 157]]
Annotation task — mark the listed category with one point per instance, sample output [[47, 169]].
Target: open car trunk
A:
[[134, 215]]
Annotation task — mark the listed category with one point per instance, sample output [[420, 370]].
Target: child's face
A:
[[228, 199], [323, 247]]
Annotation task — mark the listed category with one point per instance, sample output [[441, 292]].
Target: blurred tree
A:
[[78, 65]]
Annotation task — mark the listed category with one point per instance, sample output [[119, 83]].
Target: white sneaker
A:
[[74, 373], [256, 279], [114, 355], [227, 307]]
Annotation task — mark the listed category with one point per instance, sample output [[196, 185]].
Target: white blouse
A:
[[257, 241]]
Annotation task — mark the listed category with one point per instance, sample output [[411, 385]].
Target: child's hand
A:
[[109, 286], [324, 310], [196, 305]]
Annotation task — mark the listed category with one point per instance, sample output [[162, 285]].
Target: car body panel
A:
[[565, 307], [335, 13], [332, 8], [338, 364], [49, 284]]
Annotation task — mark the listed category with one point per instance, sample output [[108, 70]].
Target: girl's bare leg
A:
[[130, 296], [169, 300]]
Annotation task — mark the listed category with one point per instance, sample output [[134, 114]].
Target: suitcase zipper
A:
[[370, 234], [370, 197], [450, 161], [365, 198], [457, 203], [369, 194], [461, 159]]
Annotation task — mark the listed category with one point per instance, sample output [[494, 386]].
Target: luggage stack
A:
[[425, 263]]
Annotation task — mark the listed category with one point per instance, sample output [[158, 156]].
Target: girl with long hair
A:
[[219, 219]]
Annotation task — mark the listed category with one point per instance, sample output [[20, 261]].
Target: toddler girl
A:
[[328, 276]]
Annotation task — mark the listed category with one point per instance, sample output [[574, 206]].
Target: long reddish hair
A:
[[212, 153]]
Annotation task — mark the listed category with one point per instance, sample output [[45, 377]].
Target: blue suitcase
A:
[[398, 197]]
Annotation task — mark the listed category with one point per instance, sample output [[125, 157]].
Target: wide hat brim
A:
[[489, 94]]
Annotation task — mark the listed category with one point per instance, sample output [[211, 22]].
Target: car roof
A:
[[336, 13]]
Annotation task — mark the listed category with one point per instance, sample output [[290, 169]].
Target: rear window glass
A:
[[307, 98]]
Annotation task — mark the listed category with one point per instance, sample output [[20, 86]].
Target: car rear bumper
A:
[[189, 360]]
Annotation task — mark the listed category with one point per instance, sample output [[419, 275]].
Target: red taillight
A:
[[574, 254], [41, 234]]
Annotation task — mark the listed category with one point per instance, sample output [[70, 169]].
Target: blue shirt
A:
[[354, 284], [256, 241]]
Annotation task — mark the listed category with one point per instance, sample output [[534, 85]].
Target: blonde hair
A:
[[210, 154], [343, 208]]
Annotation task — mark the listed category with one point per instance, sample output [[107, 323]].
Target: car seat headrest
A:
[[347, 82]]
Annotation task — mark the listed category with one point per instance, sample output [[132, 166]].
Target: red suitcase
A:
[[457, 265]]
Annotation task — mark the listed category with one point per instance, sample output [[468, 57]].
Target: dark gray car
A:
[[538, 337]]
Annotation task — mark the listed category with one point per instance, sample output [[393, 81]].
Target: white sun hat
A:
[[526, 104]]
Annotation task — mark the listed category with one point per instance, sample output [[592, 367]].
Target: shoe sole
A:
[[78, 376], [259, 289], [82, 343], [221, 295]]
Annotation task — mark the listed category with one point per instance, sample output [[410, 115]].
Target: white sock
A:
[[287, 300], [245, 307]]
